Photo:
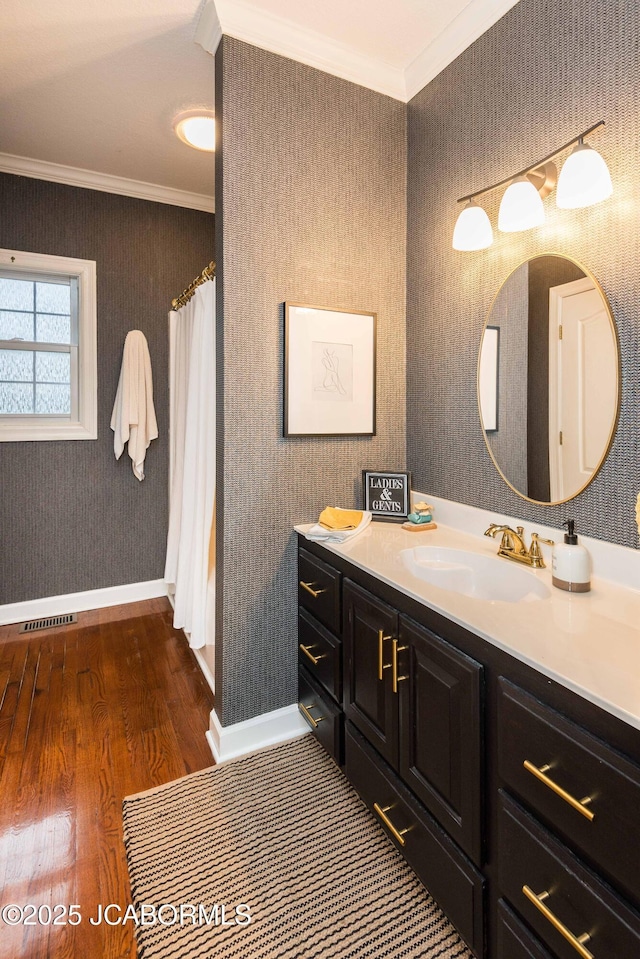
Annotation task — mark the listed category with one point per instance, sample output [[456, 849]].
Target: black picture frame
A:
[[394, 505]]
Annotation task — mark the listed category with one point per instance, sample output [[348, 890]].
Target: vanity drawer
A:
[[320, 653], [514, 939], [581, 766], [319, 589], [325, 719], [448, 875], [557, 896]]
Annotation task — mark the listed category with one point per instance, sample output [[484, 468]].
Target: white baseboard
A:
[[80, 602], [229, 742], [204, 666], [209, 739]]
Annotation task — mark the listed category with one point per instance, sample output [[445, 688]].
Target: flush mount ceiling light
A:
[[197, 129], [584, 180]]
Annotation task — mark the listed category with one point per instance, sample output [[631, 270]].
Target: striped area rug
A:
[[274, 856]]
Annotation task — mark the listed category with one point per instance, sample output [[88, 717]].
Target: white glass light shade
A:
[[584, 179], [521, 207], [473, 229], [197, 130]]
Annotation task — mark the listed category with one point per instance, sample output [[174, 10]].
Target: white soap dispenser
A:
[[571, 563]]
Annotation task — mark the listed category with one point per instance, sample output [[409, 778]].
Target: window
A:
[[47, 347]]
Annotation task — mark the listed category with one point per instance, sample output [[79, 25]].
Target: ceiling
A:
[[89, 88]]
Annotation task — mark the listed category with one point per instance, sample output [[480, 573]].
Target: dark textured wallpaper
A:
[[71, 517], [545, 72], [311, 191]]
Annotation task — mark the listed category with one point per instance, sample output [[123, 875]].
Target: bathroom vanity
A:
[[497, 740]]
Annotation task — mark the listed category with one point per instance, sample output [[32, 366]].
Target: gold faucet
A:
[[512, 545]]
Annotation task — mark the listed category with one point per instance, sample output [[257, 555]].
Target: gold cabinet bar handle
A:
[[314, 659], [381, 641], [394, 662], [540, 772], [398, 834], [305, 710], [576, 941], [309, 588]]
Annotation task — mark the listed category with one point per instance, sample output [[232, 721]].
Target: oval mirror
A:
[[548, 379]]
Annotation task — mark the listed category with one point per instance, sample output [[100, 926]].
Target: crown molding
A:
[[476, 18], [104, 182], [243, 21], [209, 31]]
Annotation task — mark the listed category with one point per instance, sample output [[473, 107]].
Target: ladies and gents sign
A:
[[387, 495]]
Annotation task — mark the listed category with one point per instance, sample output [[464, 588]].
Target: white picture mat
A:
[[314, 332], [488, 379]]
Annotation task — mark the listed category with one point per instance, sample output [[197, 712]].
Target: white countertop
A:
[[589, 642]]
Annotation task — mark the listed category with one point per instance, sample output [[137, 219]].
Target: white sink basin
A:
[[474, 574]]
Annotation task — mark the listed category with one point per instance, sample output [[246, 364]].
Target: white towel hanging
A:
[[134, 419]]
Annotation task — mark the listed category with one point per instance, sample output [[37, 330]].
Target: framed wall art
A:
[[329, 372], [387, 495], [488, 379]]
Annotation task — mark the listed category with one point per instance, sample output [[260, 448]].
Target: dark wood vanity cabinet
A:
[[568, 832], [370, 630], [568, 907], [586, 792], [441, 732], [320, 652], [453, 881], [418, 701], [516, 801], [514, 941], [319, 590], [323, 715]]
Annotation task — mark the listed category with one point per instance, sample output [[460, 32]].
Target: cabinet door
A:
[[441, 732], [456, 885], [370, 627]]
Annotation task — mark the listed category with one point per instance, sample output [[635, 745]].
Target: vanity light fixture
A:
[[473, 229], [521, 207], [197, 129], [584, 180]]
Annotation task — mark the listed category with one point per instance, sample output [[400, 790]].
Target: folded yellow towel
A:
[[332, 517]]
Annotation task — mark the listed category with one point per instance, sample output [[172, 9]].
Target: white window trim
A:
[[85, 426]]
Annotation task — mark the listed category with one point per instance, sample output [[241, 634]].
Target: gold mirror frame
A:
[[587, 274]]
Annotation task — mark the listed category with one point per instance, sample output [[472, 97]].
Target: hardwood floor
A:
[[89, 713]]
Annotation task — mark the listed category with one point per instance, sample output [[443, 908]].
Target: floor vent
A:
[[49, 622]]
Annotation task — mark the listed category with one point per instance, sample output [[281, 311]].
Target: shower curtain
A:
[[192, 461]]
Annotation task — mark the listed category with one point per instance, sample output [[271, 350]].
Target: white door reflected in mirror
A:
[[582, 384], [548, 405]]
